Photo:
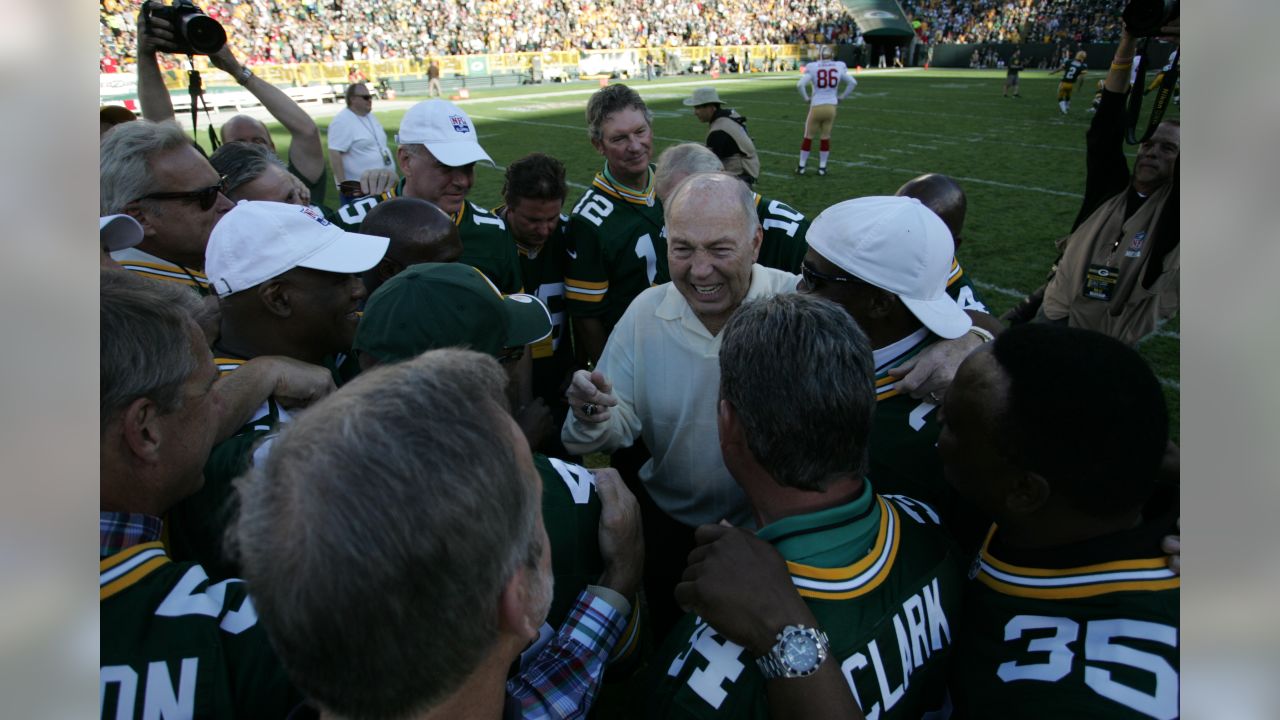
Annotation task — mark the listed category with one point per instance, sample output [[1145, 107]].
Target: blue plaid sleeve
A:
[[561, 682]]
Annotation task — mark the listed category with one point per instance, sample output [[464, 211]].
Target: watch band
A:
[[982, 333], [773, 664], [243, 76]]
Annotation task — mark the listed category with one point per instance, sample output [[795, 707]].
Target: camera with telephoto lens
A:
[[193, 32], [1144, 18]]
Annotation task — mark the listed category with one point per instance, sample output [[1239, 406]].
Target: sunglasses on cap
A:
[[813, 278], [205, 196]]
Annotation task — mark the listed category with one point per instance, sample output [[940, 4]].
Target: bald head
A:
[[246, 129], [679, 162], [943, 196], [419, 232]]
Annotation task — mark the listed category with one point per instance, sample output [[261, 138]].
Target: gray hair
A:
[[740, 195], [680, 161], [378, 535], [799, 373], [609, 100], [145, 341], [242, 162], [124, 170]]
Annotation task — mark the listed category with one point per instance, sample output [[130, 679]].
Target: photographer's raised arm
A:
[[1118, 77], [153, 36], [305, 151]]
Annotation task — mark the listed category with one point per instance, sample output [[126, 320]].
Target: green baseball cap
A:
[[436, 305]]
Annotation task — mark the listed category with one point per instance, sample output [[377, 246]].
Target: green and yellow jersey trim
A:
[[859, 578], [122, 570], [585, 290], [168, 272], [1138, 575], [645, 197], [228, 365], [957, 272]]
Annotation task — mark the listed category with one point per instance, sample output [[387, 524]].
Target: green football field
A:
[[1020, 161]]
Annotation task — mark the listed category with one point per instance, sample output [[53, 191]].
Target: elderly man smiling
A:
[[658, 376]]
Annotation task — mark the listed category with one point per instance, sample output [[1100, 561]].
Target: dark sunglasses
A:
[[510, 354], [207, 197], [811, 276], [363, 97]]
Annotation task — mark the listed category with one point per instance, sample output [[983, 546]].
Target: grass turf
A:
[[1020, 161]]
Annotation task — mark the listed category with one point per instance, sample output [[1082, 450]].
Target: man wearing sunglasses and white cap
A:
[[886, 261], [287, 282], [437, 154]]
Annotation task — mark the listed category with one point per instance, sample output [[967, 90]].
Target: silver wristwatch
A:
[[798, 653]]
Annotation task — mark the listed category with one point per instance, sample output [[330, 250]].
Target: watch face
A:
[[799, 652]]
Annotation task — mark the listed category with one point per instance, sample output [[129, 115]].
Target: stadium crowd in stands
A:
[[1015, 21], [288, 31]]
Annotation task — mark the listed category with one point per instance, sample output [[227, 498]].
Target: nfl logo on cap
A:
[[459, 124]]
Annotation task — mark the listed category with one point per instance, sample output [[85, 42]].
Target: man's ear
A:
[[137, 212], [880, 304], [140, 425], [387, 268], [275, 297], [756, 242], [598, 145], [1030, 492], [513, 607], [402, 160]]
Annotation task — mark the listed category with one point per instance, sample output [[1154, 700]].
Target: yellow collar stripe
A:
[[858, 578], [126, 568]]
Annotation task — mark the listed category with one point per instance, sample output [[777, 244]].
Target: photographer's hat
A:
[[703, 96], [446, 131]]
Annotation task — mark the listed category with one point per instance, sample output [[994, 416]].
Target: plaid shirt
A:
[[121, 531], [562, 680]]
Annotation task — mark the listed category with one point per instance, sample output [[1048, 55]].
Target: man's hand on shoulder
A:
[[298, 384], [621, 535], [740, 585], [378, 181]]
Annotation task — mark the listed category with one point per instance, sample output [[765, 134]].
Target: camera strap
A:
[[196, 88], [1163, 95]]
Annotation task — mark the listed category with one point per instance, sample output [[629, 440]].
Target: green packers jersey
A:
[[485, 243], [616, 250], [961, 289], [350, 215], [487, 247], [889, 615], [1070, 633], [571, 513], [904, 458], [783, 246], [543, 275], [1074, 70], [174, 644]]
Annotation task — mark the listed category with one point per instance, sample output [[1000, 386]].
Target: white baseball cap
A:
[[258, 240], [899, 245], [118, 232], [446, 131]]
